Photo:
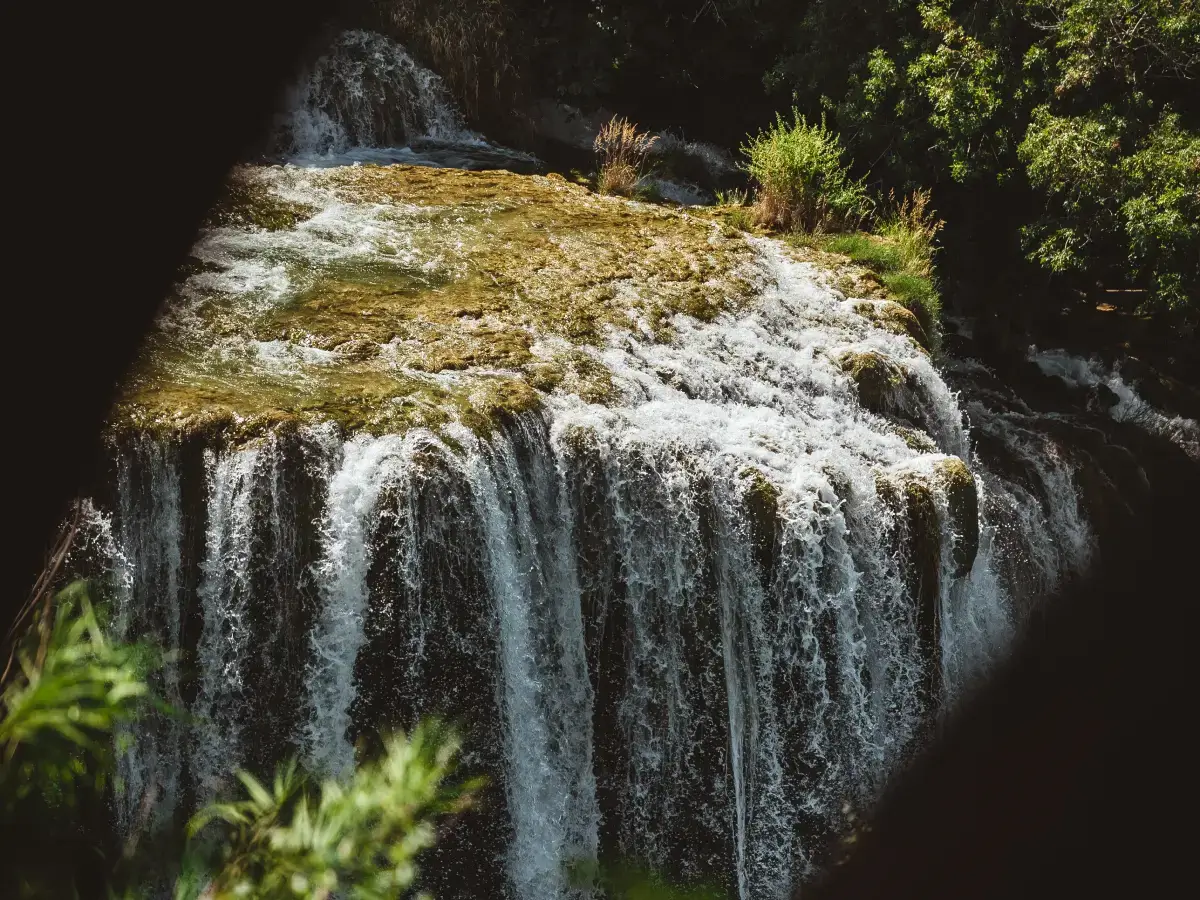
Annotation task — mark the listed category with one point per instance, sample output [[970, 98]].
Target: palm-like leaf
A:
[[74, 688], [360, 838]]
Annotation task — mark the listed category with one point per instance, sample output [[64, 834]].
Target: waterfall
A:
[[367, 466], [695, 624], [145, 550], [546, 695], [224, 596], [686, 628], [1125, 404], [367, 91]]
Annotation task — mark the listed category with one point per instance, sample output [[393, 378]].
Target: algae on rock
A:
[[386, 297], [921, 499], [952, 476], [877, 378]]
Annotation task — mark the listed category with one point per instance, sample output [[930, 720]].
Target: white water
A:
[[367, 91], [753, 703], [143, 552], [367, 467], [366, 100], [1130, 407], [546, 695], [224, 595], [1038, 532]]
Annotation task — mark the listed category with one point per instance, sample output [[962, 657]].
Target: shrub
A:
[[68, 690], [73, 688], [621, 150], [361, 838], [802, 183]]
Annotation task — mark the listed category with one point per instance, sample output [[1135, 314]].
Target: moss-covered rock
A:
[[962, 500], [877, 378], [915, 439], [893, 317], [762, 510], [247, 202], [916, 498], [918, 537], [385, 297]]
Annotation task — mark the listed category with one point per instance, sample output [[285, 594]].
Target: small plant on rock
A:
[[803, 184], [622, 151]]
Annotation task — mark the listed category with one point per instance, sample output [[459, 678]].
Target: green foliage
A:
[[1074, 120], [74, 688], [919, 295], [355, 840], [912, 226], [1137, 201], [907, 278], [68, 687], [802, 182], [901, 253], [628, 881]]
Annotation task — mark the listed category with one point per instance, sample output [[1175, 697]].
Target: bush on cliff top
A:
[[803, 184]]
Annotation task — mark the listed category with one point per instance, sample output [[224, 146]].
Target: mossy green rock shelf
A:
[[384, 297]]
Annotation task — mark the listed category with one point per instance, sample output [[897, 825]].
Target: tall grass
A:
[[621, 151], [914, 228], [901, 252], [803, 184]]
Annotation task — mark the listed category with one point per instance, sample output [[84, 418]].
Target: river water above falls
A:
[[694, 544]]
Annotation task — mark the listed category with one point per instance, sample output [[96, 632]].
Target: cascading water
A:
[[686, 618], [1125, 404], [367, 100], [367, 91], [697, 623], [149, 599]]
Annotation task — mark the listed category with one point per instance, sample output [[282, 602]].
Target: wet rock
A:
[[877, 378], [762, 509], [918, 538], [962, 499], [1102, 398], [893, 317]]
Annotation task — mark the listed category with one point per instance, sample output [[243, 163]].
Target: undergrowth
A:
[[900, 251], [621, 151]]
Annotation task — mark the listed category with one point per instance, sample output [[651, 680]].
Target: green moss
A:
[[916, 440], [918, 539], [248, 202], [648, 193], [917, 294], [903, 276], [895, 318], [914, 500], [497, 262], [876, 377], [762, 510], [962, 500], [865, 249]]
